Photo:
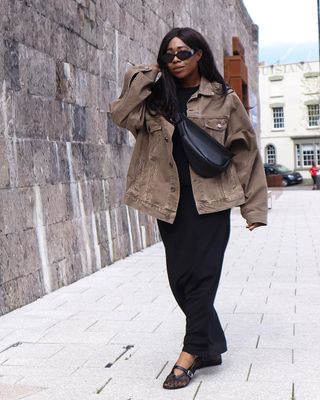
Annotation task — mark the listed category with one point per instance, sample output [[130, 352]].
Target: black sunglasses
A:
[[181, 54]]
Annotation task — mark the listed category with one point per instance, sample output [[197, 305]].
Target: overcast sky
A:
[[284, 21], [288, 30]]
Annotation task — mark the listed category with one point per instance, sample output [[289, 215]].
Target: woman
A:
[[314, 172], [193, 213]]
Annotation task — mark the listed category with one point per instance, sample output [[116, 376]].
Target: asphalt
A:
[[116, 334]]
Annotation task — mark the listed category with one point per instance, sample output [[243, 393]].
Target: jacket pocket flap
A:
[[153, 127], [218, 124]]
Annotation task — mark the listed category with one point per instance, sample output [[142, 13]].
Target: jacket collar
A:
[[208, 88]]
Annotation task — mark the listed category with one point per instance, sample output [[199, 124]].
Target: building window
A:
[[306, 153], [278, 117], [298, 155], [271, 154], [314, 115]]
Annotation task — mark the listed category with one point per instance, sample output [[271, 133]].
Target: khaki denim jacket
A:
[[153, 182]]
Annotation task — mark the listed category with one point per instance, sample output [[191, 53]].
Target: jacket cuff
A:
[[254, 217]]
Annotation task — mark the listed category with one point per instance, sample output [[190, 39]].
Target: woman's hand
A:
[[254, 225]]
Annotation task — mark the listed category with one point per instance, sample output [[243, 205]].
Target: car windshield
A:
[[281, 168]]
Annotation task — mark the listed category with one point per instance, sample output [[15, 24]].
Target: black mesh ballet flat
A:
[[173, 381]]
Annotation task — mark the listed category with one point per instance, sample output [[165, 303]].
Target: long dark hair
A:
[[163, 99]]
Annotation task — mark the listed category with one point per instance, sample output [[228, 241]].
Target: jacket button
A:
[[166, 138], [219, 125], [171, 164], [173, 189]]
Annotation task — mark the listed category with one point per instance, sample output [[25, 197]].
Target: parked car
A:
[[288, 177]]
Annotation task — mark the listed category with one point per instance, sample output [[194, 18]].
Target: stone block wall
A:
[[62, 161]]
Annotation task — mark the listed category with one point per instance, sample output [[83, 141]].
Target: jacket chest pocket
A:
[[154, 130], [216, 127]]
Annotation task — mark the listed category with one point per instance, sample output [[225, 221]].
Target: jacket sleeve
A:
[[242, 141], [128, 111]]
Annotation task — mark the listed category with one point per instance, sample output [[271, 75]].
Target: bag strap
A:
[[178, 117]]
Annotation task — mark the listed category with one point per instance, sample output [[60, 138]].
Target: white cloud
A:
[[284, 21]]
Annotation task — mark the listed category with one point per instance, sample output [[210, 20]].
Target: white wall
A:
[[293, 86]]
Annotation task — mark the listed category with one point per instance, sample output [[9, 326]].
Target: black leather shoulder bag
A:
[[206, 156]]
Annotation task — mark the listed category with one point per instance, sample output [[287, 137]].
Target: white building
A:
[[290, 114]]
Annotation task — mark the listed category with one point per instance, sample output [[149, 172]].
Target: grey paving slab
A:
[[130, 326], [22, 335], [245, 390], [9, 392], [35, 350], [306, 372], [89, 382], [36, 371], [119, 331], [279, 340], [251, 282], [73, 336], [305, 301], [33, 322], [114, 315], [5, 332], [291, 317], [269, 371], [311, 329], [244, 341], [307, 390], [258, 355], [70, 391], [310, 341], [11, 379], [305, 355], [35, 362], [307, 308], [241, 319], [260, 328], [141, 388], [225, 306]]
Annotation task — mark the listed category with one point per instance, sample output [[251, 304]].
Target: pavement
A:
[[116, 334]]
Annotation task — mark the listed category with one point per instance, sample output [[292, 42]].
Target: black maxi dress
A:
[[194, 247]]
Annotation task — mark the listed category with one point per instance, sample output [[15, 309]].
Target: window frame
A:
[[280, 118], [299, 161], [315, 115], [267, 154]]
